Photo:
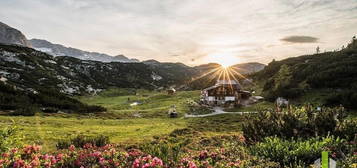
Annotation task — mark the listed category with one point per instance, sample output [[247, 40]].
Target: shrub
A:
[[9, 138], [91, 109], [25, 110], [81, 141], [106, 156], [168, 152], [295, 152], [347, 129], [346, 97], [297, 122]]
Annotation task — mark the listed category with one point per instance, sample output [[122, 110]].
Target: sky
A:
[[188, 31]]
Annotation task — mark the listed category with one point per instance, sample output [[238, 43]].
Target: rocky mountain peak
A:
[[9, 35]]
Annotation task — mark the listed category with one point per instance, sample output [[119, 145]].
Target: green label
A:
[[324, 160]]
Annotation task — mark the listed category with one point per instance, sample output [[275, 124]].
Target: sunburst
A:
[[221, 73]]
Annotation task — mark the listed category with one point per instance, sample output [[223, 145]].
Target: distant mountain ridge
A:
[[10, 35], [60, 50]]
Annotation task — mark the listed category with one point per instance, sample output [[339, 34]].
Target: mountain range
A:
[[60, 50], [36, 64], [10, 35]]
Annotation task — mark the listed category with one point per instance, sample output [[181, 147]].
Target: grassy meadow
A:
[[123, 123]]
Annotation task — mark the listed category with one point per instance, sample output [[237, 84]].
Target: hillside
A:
[[27, 68], [330, 73], [33, 77]]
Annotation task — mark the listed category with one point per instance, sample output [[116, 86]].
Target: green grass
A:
[[119, 122], [254, 107], [154, 104], [48, 130], [224, 123]]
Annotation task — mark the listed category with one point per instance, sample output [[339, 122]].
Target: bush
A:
[[107, 156], [9, 138], [302, 122], [347, 98], [26, 110], [81, 141], [347, 129], [168, 152], [91, 109], [290, 153]]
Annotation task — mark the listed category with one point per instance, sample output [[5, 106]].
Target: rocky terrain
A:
[[9, 35]]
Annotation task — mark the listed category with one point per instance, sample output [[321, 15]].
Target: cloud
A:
[[300, 39], [173, 30]]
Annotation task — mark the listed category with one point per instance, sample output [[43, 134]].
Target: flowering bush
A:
[[88, 156], [30, 156]]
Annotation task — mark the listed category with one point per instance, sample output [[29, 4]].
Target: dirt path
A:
[[218, 111]]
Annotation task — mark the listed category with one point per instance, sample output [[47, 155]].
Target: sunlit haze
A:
[[188, 31]]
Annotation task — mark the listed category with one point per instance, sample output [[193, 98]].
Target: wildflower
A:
[[136, 163], [97, 154], [156, 162], [14, 150], [35, 162], [5, 155], [134, 153], [53, 160], [203, 155], [45, 157], [101, 161], [19, 163], [146, 165], [72, 148], [192, 165], [87, 146], [59, 156], [146, 158]]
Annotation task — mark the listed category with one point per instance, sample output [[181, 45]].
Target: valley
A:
[[65, 107], [122, 123]]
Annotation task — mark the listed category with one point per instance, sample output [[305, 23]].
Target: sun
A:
[[224, 59]]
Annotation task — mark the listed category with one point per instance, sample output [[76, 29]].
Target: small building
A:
[[171, 91], [281, 102], [224, 92]]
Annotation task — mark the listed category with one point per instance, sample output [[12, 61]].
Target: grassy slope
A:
[[118, 123], [154, 104], [48, 130]]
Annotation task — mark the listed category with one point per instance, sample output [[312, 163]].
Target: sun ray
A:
[[229, 78], [239, 74], [214, 75], [233, 76], [205, 74], [220, 74], [242, 76]]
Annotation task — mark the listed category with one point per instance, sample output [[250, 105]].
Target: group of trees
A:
[[27, 103]]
